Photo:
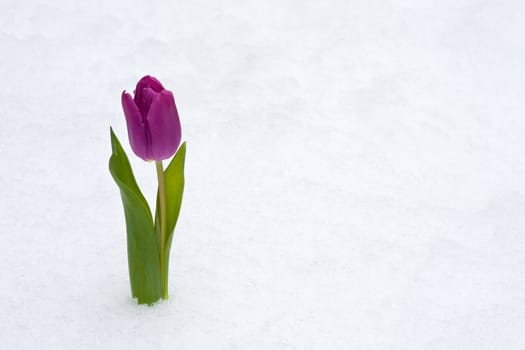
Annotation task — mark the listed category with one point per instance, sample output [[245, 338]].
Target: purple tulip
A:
[[153, 121]]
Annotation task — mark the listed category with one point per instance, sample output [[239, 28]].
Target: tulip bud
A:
[[152, 119]]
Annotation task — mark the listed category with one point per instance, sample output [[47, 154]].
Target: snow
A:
[[355, 174]]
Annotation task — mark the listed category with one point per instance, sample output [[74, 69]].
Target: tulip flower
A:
[[154, 129], [154, 132]]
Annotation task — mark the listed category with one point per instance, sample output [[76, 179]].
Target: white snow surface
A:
[[355, 174]]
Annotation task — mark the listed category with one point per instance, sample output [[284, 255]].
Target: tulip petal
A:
[[144, 101], [146, 82], [152, 82], [137, 131], [164, 126]]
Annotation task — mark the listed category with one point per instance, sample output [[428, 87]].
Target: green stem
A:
[[162, 214]]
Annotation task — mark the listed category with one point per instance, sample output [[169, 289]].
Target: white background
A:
[[355, 174]]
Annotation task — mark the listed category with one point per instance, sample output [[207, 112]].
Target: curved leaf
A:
[[174, 180], [143, 250]]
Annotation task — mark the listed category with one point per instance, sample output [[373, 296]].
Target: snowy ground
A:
[[355, 174]]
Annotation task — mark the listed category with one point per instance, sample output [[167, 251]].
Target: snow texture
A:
[[355, 174]]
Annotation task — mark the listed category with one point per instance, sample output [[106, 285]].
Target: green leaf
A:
[[143, 250], [174, 180]]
